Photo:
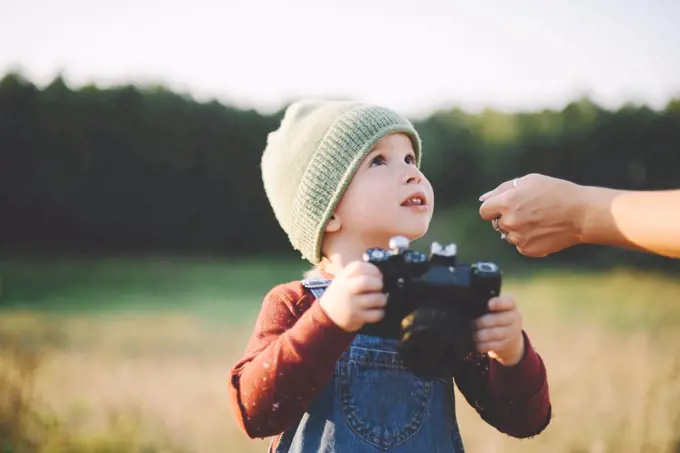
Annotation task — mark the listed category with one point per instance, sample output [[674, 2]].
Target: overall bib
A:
[[373, 404]]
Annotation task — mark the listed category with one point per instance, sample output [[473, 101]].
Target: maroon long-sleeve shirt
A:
[[293, 350]]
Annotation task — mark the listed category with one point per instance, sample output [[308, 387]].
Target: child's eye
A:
[[378, 160], [410, 159]]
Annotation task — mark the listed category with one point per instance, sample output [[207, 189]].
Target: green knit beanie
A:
[[310, 160]]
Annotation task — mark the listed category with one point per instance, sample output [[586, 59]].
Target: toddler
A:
[[343, 177]]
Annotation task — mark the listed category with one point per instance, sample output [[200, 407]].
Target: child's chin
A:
[[412, 234]]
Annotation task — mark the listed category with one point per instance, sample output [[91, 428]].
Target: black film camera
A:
[[431, 304]]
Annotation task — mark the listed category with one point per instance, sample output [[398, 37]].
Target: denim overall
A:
[[373, 404]]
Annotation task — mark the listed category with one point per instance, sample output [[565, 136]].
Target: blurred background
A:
[[136, 242]]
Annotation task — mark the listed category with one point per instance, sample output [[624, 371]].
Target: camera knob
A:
[[399, 243], [449, 251], [412, 257], [375, 255], [416, 263], [486, 268]]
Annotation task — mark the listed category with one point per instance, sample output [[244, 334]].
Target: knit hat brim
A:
[[330, 171]]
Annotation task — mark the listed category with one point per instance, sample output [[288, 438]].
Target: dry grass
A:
[[611, 344]]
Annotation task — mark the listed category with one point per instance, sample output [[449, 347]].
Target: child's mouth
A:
[[415, 200]]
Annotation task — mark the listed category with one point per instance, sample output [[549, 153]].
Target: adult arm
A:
[[642, 220], [544, 215]]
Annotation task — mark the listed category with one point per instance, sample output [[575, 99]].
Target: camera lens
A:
[[427, 353], [427, 344]]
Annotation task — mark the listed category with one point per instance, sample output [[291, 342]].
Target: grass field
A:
[[126, 355]]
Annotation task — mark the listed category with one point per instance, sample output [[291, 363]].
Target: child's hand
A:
[[499, 333], [354, 297]]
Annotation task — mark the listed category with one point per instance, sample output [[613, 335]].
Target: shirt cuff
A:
[[520, 381]]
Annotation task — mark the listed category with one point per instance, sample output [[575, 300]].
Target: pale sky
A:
[[509, 55]]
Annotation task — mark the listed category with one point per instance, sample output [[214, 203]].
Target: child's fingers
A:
[[374, 315], [357, 268], [502, 303], [493, 334], [504, 318], [372, 300], [491, 346], [364, 284]]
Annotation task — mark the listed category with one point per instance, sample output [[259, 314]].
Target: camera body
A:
[[431, 304]]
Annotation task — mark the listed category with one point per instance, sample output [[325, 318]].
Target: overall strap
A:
[[316, 286]]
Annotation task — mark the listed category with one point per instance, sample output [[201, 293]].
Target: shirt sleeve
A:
[[515, 400], [290, 356]]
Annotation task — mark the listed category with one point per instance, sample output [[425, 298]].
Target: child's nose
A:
[[412, 176]]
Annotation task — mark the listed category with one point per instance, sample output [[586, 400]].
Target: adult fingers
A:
[[493, 207], [507, 185], [490, 209], [512, 237]]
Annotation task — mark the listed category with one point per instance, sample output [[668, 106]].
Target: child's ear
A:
[[333, 224]]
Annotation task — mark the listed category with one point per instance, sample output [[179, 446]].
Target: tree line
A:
[[147, 170]]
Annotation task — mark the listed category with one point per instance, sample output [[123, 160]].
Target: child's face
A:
[[388, 195]]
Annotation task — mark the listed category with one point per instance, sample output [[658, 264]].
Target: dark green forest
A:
[[140, 170]]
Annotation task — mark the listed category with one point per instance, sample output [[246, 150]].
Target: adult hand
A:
[[539, 214]]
